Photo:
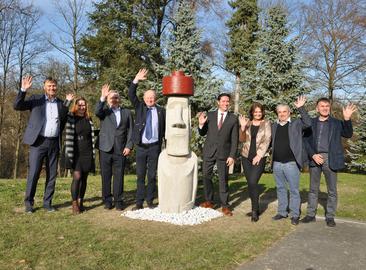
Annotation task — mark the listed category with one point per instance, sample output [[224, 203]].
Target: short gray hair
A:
[[283, 106], [113, 93]]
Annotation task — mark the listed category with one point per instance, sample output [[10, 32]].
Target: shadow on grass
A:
[[322, 198], [92, 199], [129, 199], [238, 193], [268, 196]]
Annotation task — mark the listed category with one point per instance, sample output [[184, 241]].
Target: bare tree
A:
[[6, 5], [72, 13], [9, 37], [28, 48], [334, 44]]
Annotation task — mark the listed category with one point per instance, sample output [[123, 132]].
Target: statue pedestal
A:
[[177, 184]]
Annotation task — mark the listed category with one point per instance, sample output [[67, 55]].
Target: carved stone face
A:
[[178, 123]]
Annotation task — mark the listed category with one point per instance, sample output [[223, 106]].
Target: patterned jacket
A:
[[70, 139], [263, 138]]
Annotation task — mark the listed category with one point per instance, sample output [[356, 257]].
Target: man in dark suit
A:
[[221, 128], [323, 144], [287, 158], [147, 135], [115, 144], [43, 134]]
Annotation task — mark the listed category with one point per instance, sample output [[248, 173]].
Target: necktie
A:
[[148, 127], [221, 121]]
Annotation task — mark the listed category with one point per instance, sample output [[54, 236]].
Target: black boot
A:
[[81, 205], [255, 216]]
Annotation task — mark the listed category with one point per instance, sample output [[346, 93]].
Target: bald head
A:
[[150, 98]]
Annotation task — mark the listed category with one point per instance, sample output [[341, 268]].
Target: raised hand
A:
[[300, 101], [105, 90], [70, 96], [26, 82], [243, 122], [202, 118], [348, 111], [141, 75]]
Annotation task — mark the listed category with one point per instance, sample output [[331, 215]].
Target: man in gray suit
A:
[[115, 144], [43, 134], [222, 130], [287, 151]]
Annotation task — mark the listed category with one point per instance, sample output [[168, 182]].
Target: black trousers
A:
[[146, 161], [112, 164], [253, 173], [223, 171], [43, 149]]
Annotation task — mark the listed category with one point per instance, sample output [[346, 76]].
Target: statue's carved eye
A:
[[179, 125]]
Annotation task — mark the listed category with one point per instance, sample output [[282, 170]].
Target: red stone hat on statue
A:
[[178, 84]]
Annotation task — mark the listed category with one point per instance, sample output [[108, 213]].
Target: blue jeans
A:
[[287, 174]]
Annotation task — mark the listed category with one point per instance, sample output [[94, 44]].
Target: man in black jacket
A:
[[222, 130], [147, 135], [43, 134], [115, 144], [323, 144]]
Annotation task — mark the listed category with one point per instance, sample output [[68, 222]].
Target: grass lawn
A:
[[102, 239]]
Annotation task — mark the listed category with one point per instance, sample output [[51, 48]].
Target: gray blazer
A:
[[37, 105], [223, 142], [295, 133], [110, 135]]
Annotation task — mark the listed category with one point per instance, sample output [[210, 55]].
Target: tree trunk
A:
[[17, 148], [2, 103], [237, 93], [236, 107]]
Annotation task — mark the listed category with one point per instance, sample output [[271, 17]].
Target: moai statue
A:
[[177, 167]]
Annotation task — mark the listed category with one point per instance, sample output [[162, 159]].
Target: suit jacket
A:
[[295, 134], [111, 136], [337, 130], [263, 138], [37, 105], [140, 115], [224, 142]]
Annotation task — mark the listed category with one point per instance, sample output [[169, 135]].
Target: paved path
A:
[[315, 246]]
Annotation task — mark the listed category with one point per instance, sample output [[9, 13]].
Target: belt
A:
[[48, 138], [146, 145]]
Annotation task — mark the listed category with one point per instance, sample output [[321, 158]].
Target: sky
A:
[[50, 16], [211, 24]]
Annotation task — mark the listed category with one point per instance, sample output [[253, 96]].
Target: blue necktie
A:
[[148, 128]]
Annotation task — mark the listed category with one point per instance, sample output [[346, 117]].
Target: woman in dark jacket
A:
[[79, 151], [255, 133]]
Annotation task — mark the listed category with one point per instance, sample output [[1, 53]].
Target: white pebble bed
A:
[[195, 216]]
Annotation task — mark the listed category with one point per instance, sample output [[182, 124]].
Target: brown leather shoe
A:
[[227, 212], [207, 204], [75, 208]]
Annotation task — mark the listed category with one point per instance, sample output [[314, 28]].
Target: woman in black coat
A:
[[79, 151]]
